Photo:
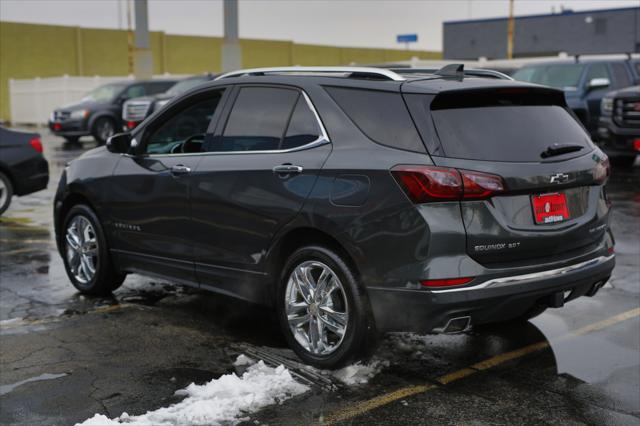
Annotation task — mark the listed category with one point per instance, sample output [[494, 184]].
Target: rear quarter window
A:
[[382, 116]]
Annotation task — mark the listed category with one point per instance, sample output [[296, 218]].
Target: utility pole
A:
[[231, 50], [510, 26], [142, 59], [129, 40]]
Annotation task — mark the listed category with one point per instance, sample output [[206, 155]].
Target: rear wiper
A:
[[557, 149]]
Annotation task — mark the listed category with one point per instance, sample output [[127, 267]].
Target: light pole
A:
[[231, 50], [142, 58]]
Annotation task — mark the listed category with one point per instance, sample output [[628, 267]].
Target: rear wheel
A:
[[322, 309], [6, 192], [103, 129], [86, 255]]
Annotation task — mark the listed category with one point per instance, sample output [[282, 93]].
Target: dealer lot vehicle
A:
[[584, 81], [619, 128], [99, 113], [351, 200], [23, 168], [135, 110]]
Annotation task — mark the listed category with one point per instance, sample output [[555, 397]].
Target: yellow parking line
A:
[[25, 241], [18, 251], [379, 401]]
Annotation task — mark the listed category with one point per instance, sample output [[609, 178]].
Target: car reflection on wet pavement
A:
[[65, 357]]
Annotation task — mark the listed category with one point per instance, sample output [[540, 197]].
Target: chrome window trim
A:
[[322, 139], [516, 279]]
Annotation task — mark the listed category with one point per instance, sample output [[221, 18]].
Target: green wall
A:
[[32, 50]]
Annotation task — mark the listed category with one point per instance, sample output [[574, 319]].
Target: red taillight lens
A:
[[429, 183], [479, 185], [57, 126], [446, 282], [636, 144], [602, 171], [36, 144], [131, 124]]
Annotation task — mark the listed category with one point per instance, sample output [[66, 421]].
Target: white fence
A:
[[33, 100]]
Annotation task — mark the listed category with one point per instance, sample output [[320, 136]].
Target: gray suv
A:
[[352, 201]]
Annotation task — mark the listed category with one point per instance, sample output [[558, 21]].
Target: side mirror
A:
[[119, 143], [598, 83]]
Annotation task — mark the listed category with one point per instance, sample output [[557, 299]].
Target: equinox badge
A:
[[559, 178]]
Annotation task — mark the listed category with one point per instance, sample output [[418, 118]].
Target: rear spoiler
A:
[[498, 96]]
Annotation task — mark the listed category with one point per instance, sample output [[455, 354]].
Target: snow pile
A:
[[358, 373], [222, 400], [243, 360]]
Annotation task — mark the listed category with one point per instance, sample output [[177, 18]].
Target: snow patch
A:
[[243, 360], [358, 373], [222, 400]]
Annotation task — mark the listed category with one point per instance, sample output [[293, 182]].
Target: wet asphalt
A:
[[65, 357]]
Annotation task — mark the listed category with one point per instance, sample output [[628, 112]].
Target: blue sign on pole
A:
[[407, 38]]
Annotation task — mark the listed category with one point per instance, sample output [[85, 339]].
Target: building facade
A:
[[586, 32]]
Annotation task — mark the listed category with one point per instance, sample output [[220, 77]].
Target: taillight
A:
[[479, 185], [602, 171], [636, 144], [446, 282], [36, 144], [423, 184], [131, 124], [57, 126]]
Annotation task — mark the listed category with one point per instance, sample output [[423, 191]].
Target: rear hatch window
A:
[[505, 127]]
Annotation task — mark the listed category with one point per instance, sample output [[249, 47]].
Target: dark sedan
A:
[[23, 168]]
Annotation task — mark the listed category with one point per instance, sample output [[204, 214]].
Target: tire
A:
[[6, 192], [345, 296], [89, 237], [102, 129], [625, 162]]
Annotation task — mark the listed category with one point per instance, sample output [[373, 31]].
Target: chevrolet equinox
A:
[[353, 201]]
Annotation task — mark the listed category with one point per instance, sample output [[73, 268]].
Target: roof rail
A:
[[354, 72], [471, 72]]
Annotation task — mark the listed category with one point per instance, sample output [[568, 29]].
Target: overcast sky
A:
[[361, 23]]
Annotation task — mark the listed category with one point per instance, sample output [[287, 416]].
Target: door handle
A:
[[180, 169], [286, 169]]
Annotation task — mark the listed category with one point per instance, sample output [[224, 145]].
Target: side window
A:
[[185, 129], [135, 91], [382, 116], [621, 75], [598, 71], [258, 119], [303, 126], [154, 88]]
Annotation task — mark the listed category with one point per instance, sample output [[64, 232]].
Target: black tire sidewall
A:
[[358, 326], [96, 128], [9, 186], [103, 280]]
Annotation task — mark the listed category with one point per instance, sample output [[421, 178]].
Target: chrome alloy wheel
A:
[[82, 249], [316, 307], [4, 192]]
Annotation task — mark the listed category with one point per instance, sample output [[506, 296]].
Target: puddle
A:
[[5, 389]]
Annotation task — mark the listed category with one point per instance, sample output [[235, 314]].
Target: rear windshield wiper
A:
[[557, 149]]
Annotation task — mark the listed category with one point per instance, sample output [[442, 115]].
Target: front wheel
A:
[[6, 192], [85, 253], [103, 129], [322, 309]]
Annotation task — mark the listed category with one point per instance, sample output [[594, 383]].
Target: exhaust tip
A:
[[455, 325]]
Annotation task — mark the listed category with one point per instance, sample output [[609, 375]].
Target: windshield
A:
[[185, 85], [566, 76], [105, 93]]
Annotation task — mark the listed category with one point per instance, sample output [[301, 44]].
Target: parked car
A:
[[136, 110], [23, 168], [99, 114], [351, 200], [584, 81], [619, 128]]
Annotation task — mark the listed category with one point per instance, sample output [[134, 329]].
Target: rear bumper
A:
[[498, 299], [69, 128], [31, 176]]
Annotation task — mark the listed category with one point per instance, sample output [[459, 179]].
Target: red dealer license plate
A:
[[550, 208]]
